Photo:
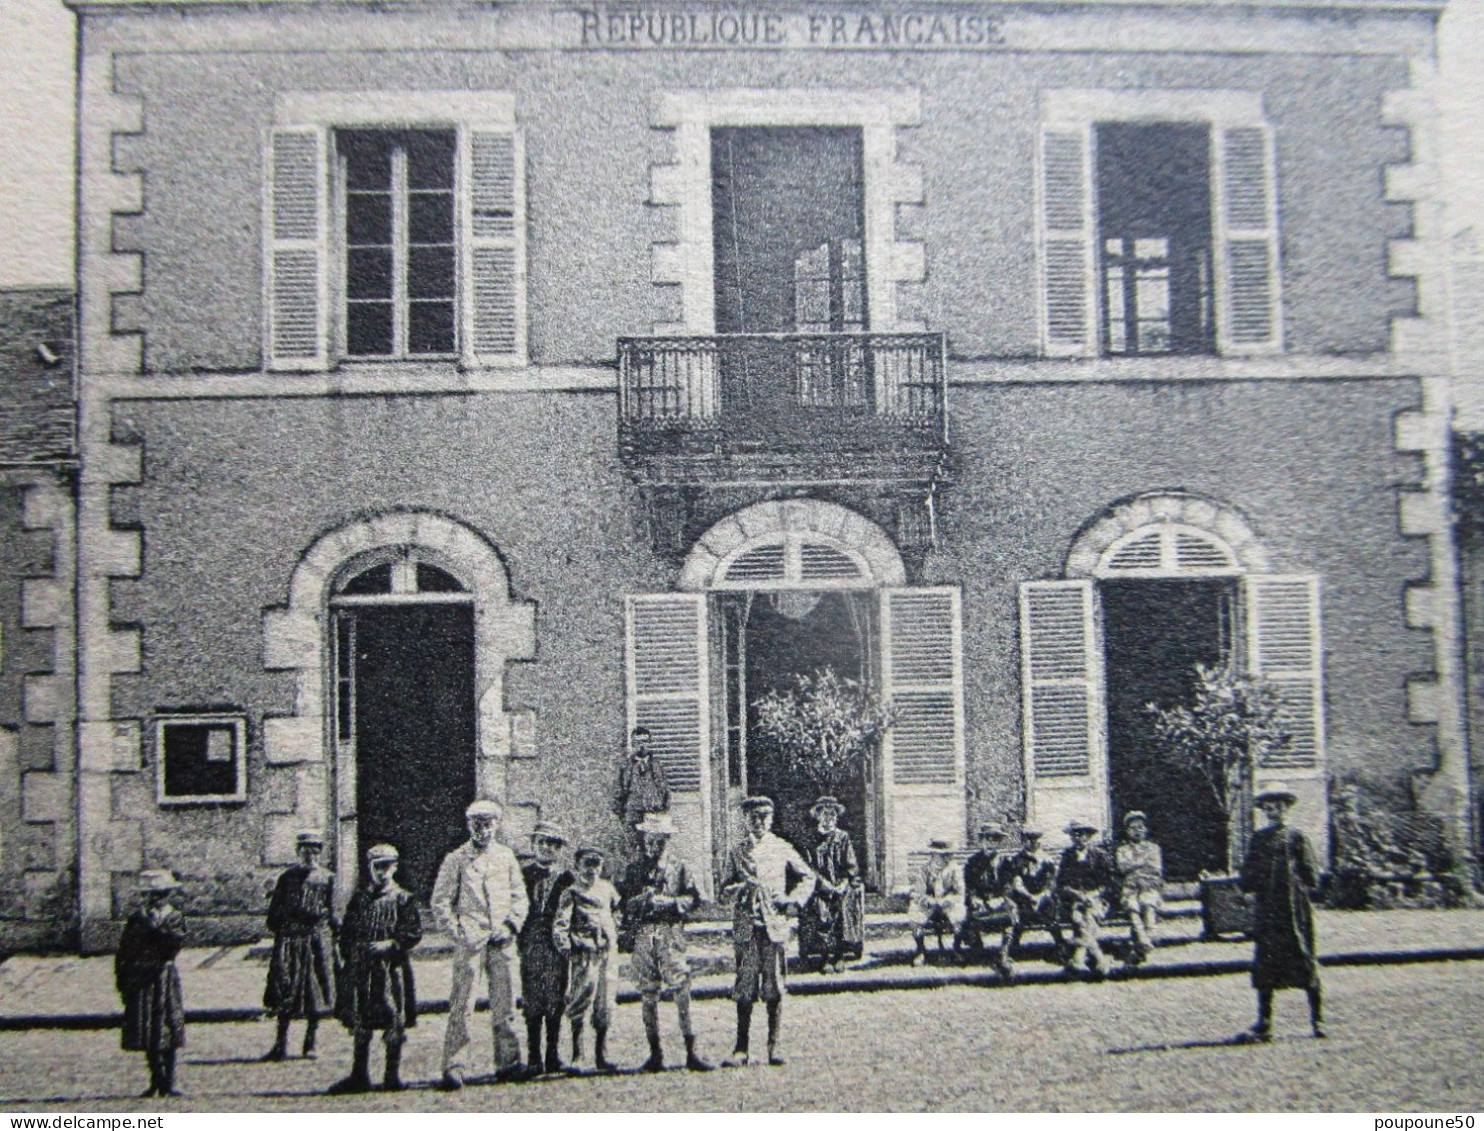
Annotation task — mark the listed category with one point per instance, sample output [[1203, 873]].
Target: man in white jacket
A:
[[479, 899]]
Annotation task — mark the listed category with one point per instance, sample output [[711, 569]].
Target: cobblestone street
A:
[[1403, 1037]]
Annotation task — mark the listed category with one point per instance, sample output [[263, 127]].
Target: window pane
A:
[[1154, 295], [368, 158], [377, 579], [1152, 248], [430, 327], [430, 272], [368, 328], [368, 272], [368, 218], [430, 217], [194, 761], [429, 159], [431, 579]]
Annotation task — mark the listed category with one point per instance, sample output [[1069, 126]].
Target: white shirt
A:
[[480, 895]]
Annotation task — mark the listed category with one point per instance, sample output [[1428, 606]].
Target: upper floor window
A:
[[398, 243], [1154, 237], [1158, 224]]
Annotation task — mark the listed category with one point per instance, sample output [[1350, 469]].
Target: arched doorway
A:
[[781, 589], [1155, 586]]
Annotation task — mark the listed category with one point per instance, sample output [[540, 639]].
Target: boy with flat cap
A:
[[1083, 879], [659, 894], [1141, 882], [381, 927], [301, 974], [543, 969], [989, 908], [764, 877], [585, 932]]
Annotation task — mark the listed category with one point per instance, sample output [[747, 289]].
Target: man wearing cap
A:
[[148, 982], [1083, 879], [1030, 882], [1282, 872], [642, 787], [989, 907], [937, 898], [830, 926], [658, 895], [301, 974], [543, 970], [381, 926], [585, 932], [763, 878], [480, 900], [1141, 882]]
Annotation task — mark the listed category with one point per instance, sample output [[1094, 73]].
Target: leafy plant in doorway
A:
[[1230, 724], [824, 725]]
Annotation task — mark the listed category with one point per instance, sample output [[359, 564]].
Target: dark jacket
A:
[[1282, 872], [660, 892], [376, 987], [144, 971], [543, 970], [642, 788], [301, 976], [1090, 873]]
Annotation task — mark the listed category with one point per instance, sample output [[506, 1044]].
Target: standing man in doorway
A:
[[642, 788], [757, 883], [480, 900], [1282, 871]]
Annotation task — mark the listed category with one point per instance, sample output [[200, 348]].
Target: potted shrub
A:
[[1230, 724], [823, 725]]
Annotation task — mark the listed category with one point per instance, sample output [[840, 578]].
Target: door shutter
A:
[[1068, 297], [1248, 269], [1063, 718], [923, 752], [296, 299], [1284, 648], [669, 691], [494, 330]]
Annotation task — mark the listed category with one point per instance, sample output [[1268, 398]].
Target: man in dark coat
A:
[[1030, 884], [1083, 879], [381, 927], [144, 971], [543, 969], [990, 908], [830, 925], [642, 788], [1282, 872], [301, 976]]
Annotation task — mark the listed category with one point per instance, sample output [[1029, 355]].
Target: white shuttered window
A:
[[1249, 284], [1068, 299], [923, 754], [1285, 647], [304, 311], [1063, 718]]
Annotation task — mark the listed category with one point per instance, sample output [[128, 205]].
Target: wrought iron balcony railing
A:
[[849, 391]]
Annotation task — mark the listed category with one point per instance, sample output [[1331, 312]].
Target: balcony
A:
[[783, 408]]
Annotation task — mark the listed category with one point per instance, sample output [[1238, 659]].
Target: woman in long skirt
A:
[[144, 971], [301, 976]]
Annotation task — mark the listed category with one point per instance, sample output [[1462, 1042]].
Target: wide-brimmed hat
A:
[[1075, 827], [752, 804], [157, 879], [1031, 833], [380, 853], [990, 828], [825, 802], [938, 844], [545, 830], [1134, 815], [657, 824], [309, 838], [484, 807], [1275, 791]]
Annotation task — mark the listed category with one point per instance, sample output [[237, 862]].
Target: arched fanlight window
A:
[[793, 561], [401, 572], [1168, 549]]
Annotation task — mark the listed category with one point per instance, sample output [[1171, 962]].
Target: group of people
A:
[[547, 937], [1002, 894]]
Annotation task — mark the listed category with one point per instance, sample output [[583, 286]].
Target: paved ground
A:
[[1403, 1037]]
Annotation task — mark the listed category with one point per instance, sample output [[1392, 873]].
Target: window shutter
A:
[[1284, 646], [669, 691], [296, 301], [1062, 705], [1068, 297], [494, 330], [923, 753], [1248, 269]]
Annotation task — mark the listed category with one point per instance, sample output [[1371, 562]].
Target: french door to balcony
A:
[[789, 224]]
